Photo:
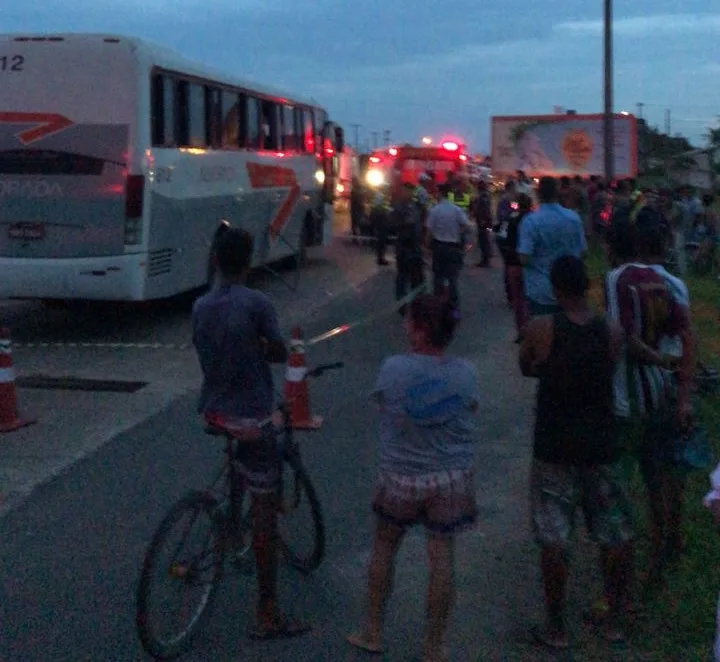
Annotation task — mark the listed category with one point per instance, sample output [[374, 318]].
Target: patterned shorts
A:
[[443, 502], [257, 462], [558, 491]]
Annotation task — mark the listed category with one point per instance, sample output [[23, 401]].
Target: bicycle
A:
[[228, 530]]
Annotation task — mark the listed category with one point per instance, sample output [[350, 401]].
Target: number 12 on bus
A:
[[120, 161]]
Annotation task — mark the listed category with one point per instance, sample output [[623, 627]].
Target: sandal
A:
[[360, 641], [545, 638], [286, 628]]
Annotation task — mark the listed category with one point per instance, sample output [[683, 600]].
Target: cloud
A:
[[647, 26]]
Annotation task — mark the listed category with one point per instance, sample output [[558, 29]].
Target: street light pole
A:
[[608, 115], [357, 136]]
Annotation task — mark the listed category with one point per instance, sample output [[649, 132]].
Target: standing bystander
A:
[[545, 235], [427, 404], [573, 353]]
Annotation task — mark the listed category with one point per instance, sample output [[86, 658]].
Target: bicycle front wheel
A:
[[191, 562], [302, 531]]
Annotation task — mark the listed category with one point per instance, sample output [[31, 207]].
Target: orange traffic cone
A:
[[296, 387], [10, 420]]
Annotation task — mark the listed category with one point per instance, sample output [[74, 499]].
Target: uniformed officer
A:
[[448, 227], [459, 193], [407, 219], [380, 221]]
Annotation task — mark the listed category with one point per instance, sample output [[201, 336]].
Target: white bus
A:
[[120, 161]]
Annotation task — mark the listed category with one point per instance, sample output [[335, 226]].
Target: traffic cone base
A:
[[315, 423], [17, 424], [10, 418]]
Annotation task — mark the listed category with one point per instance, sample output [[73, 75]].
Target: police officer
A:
[[448, 227], [407, 219], [380, 220], [459, 193]]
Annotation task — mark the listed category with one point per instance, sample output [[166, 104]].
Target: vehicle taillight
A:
[[134, 192], [463, 157]]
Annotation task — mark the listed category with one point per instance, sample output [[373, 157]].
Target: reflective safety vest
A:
[[381, 202], [422, 197], [462, 202]]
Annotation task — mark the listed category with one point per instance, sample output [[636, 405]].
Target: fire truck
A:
[[394, 166]]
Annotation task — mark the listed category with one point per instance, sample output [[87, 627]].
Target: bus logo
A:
[[265, 176], [44, 125]]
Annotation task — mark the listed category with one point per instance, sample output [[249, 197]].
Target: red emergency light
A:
[[374, 159], [393, 151], [463, 157], [451, 146]]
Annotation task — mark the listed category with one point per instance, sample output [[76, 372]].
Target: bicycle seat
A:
[[236, 430]]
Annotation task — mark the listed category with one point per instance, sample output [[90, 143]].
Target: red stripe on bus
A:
[[283, 214], [267, 176], [46, 124]]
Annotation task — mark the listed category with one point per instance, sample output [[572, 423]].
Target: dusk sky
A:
[[423, 67]]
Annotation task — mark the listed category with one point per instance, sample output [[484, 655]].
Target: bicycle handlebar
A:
[[317, 371]]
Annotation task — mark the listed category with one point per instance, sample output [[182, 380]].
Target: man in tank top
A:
[[573, 354]]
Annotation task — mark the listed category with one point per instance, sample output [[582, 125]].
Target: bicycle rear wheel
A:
[[187, 570], [299, 494]]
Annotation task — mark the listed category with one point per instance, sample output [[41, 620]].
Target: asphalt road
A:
[[71, 553]]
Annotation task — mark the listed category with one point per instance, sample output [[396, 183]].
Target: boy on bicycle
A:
[[236, 335]]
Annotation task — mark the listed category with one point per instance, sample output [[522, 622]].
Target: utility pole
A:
[[608, 132], [374, 135], [386, 137], [668, 125], [357, 136], [640, 107]]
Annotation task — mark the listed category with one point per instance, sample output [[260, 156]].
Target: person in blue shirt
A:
[[545, 235]]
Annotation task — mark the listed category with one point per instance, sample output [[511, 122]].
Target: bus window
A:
[[320, 119], [163, 111], [298, 124], [289, 134], [213, 123], [308, 130], [270, 125], [253, 134], [196, 116], [231, 120]]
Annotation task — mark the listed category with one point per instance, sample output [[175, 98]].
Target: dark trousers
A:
[[484, 244], [447, 262], [379, 220], [356, 217], [409, 273]]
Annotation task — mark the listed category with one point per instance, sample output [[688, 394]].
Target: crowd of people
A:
[[613, 392]]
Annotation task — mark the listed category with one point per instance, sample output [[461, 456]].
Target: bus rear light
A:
[[134, 192], [133, 231]]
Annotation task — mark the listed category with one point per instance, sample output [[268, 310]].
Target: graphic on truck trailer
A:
[[562, 145]]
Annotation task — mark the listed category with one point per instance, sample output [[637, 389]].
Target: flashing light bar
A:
[[451, 146]]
